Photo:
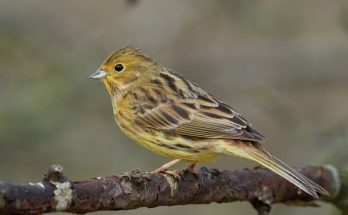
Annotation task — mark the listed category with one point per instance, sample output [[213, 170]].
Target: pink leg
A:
[[166, 166], [191, 167]]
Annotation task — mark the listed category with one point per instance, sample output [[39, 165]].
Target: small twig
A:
[[261, 207]]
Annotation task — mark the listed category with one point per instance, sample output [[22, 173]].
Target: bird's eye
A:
[[119, 67]]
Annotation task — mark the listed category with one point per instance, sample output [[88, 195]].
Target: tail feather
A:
[[258, 154], [314, 185]]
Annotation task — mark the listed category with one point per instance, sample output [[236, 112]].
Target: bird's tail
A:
[[254, 151]]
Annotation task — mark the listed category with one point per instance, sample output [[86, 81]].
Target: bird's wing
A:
[[203, 117]]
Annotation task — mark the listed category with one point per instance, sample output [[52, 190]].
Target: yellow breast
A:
[[166, 144]]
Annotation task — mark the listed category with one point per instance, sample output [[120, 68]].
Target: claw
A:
[[174, 174], [164, 169]]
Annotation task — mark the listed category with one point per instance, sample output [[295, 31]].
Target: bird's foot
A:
[[165, 169], [191, 169], [174, 174]]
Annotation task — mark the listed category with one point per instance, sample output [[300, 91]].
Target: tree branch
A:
[[135, 189]]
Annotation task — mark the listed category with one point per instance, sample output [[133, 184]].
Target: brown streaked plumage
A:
[[168, 114]]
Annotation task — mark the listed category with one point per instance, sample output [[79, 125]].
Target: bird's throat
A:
[[111, 86]]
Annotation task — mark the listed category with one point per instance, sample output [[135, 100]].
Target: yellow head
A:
[[124, 68]]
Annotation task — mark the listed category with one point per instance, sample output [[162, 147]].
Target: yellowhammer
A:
[[168, 114]]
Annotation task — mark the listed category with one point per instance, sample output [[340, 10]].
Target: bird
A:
[[168, 114]]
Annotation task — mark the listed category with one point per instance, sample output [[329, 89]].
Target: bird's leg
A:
[[164, 169], [191, 169], [166, 166]]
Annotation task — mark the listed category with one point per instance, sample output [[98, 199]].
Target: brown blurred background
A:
[[283, 64]]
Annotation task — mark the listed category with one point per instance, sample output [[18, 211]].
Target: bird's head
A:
[[124, 68]]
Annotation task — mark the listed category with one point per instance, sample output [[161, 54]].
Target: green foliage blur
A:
[[282, 64]]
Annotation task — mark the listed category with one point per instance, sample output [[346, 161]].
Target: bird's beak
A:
[[99, 74]]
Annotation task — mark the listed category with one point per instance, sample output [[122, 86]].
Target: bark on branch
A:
[[136, 189]]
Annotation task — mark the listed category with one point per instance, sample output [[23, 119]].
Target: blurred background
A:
[[282, 64]]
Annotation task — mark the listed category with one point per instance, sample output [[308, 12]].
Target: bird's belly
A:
[[174, 146]]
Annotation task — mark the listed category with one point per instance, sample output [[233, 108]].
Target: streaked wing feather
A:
[[204, 117]]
